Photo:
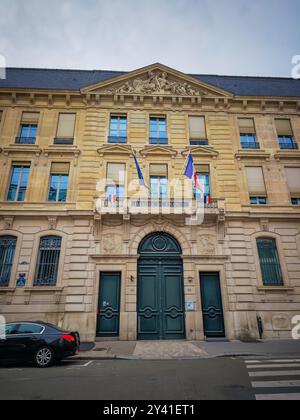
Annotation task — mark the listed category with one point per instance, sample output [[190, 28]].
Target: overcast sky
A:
[[238, 37]]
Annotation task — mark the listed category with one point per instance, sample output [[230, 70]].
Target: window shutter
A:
[[158, 170], [246, 125], [30, 117], [203, 169], [293, 179], [256, 182], [269, 262], [58, 168], [116, 173], [283, 127], [197, 128], [66, 126]]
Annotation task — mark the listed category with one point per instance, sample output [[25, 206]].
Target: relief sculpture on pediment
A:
[[156, 83]]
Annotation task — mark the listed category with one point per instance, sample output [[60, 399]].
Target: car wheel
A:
[[44, 357]]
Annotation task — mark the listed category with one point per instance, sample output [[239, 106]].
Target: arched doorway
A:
[[160, 289]]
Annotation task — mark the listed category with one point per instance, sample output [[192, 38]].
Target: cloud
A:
[[195, 36]]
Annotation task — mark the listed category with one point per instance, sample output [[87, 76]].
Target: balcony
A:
[[144, 206], [25, 140]]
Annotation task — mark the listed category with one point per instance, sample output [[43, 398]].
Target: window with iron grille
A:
[[269, 262], [7, 252], [48, 260]]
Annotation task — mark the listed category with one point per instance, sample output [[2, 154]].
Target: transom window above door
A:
[[118, 129], [158, 130]]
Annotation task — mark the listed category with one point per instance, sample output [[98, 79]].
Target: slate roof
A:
[[76, 79]]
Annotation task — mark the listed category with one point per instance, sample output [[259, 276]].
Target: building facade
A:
[[83, 245]]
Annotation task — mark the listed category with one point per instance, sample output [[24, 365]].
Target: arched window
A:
[[48, 260], [269, 262], [7, 252]]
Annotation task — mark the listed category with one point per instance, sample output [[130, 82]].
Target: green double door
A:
[[108, 314], [161, 314]]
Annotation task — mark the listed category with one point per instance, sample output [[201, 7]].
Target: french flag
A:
[[190, 171], [140, 173]]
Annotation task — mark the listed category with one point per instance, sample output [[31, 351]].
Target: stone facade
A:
[[93, 242]]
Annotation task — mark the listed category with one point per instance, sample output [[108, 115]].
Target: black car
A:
[[37, 342]]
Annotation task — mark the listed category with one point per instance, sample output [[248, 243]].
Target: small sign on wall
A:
[[21, 280], [190, 306]]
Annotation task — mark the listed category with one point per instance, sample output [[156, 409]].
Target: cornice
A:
[[252, 154], [160, 150], [200, 151], [123, 149]]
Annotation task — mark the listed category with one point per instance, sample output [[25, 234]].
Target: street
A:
[[129, 380], [220, 378]]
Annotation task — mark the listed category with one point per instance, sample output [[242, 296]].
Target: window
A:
[[48, 259], [59, 179], [30, 329], [18, 183], [158, 181], [65, 129], [248, 133], [158, 130], [293, 180], [11, 329], [197, 128], [256, 185], [115, 188], [285, 134], [269, 262], [295, 201], [28, 128], [118, 129], [203, 176], [258, 201], [7, 252]]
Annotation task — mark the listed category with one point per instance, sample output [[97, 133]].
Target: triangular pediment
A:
[[155, 80], [158, 150], [115, 149], [201, 151]]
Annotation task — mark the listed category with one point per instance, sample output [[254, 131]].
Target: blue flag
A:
[[190, 170], [140, 174]]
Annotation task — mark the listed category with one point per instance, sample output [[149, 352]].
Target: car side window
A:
[[30, 329], [11, 329]]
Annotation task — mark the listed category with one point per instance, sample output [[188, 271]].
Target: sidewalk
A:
[[170, 350]]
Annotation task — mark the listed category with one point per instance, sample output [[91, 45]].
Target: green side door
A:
[[212, 308], [108, 317]]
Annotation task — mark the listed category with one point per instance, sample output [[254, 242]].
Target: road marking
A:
[[267, 366], [81, 366], [15, 370], [268, 369], [275, 373], [278, 397], [272, 361], [275, 384]]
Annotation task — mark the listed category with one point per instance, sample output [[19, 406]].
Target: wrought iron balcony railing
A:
[[288, 146], [25, 140], [154, 206], [202, 142], [63, 141], [158, 140], [117, 139], [250, 145]]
